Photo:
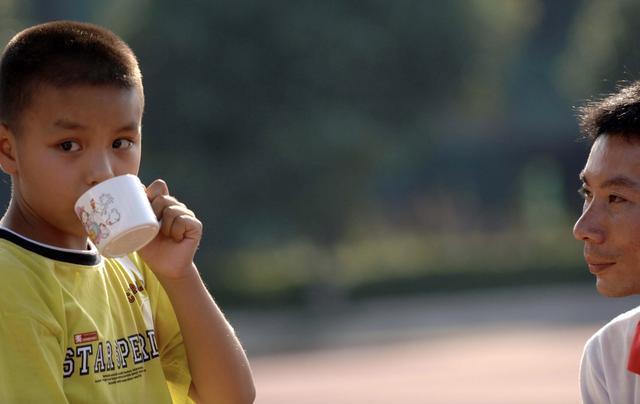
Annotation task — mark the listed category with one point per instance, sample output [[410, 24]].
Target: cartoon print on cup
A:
[[99, 218]]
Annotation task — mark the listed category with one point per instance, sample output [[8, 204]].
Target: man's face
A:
[[69, 140], [610, 221]]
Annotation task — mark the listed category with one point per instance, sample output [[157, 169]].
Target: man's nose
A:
[[591, 225], [100, 168]]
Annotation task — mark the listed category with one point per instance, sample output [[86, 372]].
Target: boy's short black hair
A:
[[62, 54], [616, 114]]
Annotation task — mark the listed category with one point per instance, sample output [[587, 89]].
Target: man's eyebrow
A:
[[620, 181], [583, 178], [617, 181]]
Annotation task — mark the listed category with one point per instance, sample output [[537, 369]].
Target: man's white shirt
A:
[[604, 377]]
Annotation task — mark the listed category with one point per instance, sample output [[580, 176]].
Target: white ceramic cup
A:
[[117, 215]]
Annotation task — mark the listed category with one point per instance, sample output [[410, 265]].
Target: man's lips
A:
[[596, 266]]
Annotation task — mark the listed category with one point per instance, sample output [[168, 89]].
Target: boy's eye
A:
[[122, 144], [69, 145]]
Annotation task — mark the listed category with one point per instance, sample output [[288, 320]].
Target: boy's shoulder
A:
[[18, 262], [26, 287]]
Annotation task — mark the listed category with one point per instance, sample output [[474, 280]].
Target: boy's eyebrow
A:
[[70, 125], [66, 124], [617, 181], [133, 126]]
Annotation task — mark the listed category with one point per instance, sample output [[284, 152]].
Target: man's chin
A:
[[608, 290]]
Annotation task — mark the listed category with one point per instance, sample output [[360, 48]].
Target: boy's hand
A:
[[170, 254]]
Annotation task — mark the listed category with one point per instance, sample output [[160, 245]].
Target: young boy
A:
[[75, 326]]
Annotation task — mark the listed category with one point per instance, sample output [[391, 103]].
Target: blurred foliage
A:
[[602, 49], [412, 262], [354, 147]]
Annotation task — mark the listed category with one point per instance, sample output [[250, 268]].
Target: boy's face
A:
[[69, 140]]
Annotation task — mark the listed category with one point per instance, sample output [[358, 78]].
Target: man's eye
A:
[[616, 199], [69, 145], [584, 193], [122, 144]]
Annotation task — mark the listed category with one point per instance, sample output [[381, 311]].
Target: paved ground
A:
[[505, 346]]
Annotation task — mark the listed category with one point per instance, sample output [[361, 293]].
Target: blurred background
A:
[[381, 180]]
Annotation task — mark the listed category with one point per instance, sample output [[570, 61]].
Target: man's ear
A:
[[7, 150]]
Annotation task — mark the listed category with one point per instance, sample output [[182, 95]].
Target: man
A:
[[610, 229]]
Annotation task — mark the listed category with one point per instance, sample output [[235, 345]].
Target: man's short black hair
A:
[[618, 113], [62, 54]]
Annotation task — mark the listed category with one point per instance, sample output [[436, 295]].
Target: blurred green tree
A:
[[293, 113], [310, 125]]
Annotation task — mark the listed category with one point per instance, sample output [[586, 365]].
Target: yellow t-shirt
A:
[[77, 327]]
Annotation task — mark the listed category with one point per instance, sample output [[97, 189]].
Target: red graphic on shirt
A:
[[633, 365], [85, 337]]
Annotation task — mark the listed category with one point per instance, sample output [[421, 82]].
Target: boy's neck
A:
[[39, 230]]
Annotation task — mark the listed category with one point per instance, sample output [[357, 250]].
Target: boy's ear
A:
[[7, 150]]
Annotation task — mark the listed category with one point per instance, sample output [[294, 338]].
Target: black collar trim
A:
[[90, 257]]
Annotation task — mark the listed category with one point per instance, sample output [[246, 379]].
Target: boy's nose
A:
[[101, 169], [590, 227]]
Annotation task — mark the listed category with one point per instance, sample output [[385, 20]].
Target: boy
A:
[[75, 326]]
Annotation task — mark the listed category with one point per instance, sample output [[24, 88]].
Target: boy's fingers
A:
[[161, 202], [169, 215], [179, 228], [156, 188], [176, 220], [186, 226]]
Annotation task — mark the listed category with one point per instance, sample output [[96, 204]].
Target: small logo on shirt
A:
[[85, 337]]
